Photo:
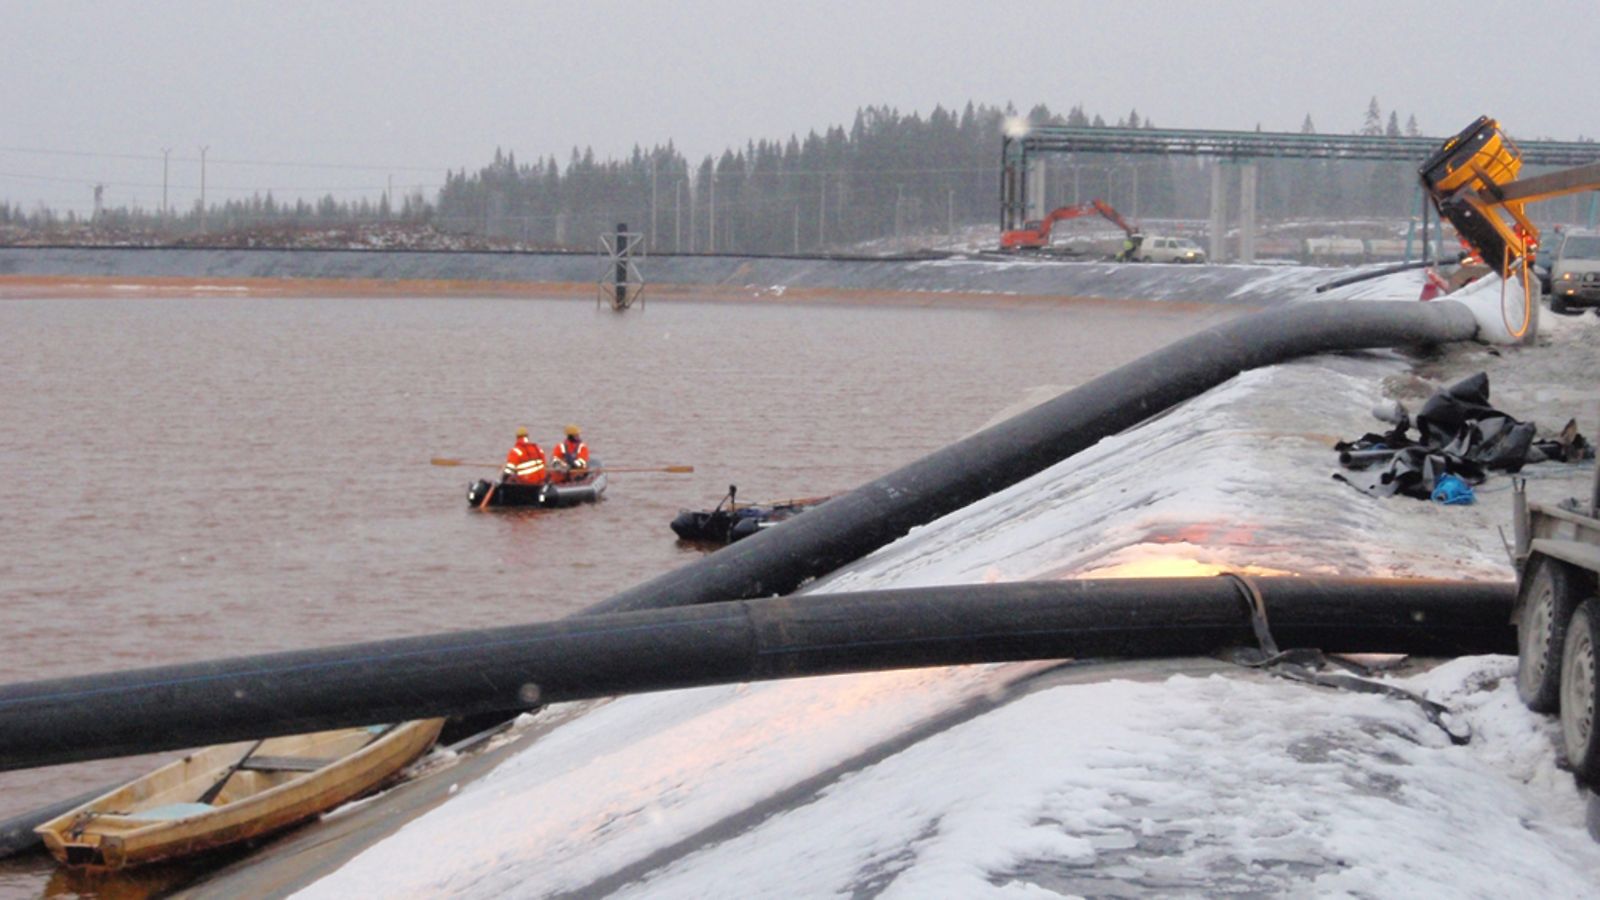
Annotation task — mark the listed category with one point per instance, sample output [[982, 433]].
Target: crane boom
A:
[[1472, 180]]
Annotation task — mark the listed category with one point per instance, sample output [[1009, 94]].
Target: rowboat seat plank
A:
[[171, 811], [286, 763]]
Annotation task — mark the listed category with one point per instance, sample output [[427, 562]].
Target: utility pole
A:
[[822, 210], [711, 237], [166, 153], [797, 229], [677, 218], [950, 224], [203, 188], [694, 238], [899, 194], [652, 202]]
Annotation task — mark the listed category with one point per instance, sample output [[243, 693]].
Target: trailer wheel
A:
[[1579, 736], [1550, 592]]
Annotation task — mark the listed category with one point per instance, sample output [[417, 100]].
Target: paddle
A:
[[677, 470], [792, 501], [484, 503], [443, 461]]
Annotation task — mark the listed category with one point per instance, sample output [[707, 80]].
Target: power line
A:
[[340, 189], [40, 151], [266, 163]]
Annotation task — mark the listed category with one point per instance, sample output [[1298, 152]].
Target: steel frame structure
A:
[[1232, 146], [620, 283]]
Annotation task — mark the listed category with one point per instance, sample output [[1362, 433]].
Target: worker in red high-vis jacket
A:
[[569, 459], [524, 462]]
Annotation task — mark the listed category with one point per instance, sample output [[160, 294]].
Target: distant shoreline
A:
[[980, 281], [102, 287]]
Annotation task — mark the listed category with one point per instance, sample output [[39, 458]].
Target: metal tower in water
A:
[[620, 282]]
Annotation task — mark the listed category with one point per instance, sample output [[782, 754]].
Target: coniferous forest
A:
[[888, 175]]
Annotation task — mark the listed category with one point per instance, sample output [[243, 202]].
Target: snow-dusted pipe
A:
[[506, 670], [849, 526]]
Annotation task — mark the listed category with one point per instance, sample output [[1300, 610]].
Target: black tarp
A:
[[1457, 433]]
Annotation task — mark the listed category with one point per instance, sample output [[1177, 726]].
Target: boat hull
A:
[[538, 496], [724, 526], [232, 792]]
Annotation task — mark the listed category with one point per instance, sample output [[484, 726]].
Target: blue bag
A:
[[1452, 491]]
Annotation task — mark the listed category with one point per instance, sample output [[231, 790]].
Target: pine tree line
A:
[[888, 174]]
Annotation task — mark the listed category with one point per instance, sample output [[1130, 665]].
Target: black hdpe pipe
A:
[[849, 526], [510, 669], [1379, 273], [855, 524], [17, 833]]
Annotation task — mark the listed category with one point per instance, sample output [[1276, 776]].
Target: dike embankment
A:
[[79, 271]]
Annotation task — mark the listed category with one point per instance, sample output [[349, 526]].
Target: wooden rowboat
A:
[[233, 792]]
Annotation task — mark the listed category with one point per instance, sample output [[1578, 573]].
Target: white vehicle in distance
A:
[[1575, 273], [1156, 248]]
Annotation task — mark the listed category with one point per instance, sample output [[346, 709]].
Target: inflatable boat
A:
[[726, 524], [547, 496]]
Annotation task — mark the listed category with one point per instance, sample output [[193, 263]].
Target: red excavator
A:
[[1037, 235]]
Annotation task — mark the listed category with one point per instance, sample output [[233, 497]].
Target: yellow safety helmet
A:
[[572, 431], [522, 432]]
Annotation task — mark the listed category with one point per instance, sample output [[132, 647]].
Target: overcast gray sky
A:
[[342, 96]]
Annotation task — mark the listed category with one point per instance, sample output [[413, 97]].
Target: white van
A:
[[1156, 248]]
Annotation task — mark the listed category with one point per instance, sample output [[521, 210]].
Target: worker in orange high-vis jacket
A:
[[569, 459], [524, 462]]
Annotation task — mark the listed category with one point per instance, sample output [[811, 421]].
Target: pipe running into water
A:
[[66, 720], [850, 526]]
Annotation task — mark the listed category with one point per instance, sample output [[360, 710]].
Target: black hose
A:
[[850, 526], [510, 669], [17, 833], [1379, 273]]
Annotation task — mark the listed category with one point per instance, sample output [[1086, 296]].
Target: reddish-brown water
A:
[[183, 479]]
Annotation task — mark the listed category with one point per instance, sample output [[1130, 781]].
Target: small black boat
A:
[[546, 496], [730, 521]]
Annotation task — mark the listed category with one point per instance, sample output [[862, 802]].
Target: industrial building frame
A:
[[1021, 171]]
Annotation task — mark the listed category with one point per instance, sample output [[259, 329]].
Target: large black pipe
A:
[[850, 526], [17, 833], [509, 669]]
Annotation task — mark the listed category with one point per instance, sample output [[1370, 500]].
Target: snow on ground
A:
[[1191, 784]]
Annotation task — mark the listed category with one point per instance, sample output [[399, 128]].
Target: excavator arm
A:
[[1037, 235], [1104, 209]]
